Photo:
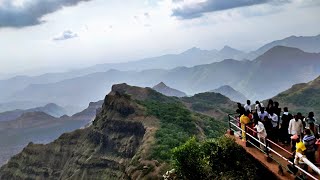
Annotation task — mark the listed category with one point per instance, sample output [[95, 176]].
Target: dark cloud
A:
[[30, 12], [198, 9], [66, 35]]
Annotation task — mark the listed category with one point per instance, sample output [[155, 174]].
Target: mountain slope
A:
[[304, 97], [136, 126], [164, 89], [231, 93]]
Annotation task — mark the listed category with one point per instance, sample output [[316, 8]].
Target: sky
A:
[[59, 35]]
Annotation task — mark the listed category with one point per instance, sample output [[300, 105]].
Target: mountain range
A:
[[23, 92], [269, 74]]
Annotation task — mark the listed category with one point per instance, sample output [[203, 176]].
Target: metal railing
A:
[[233, 123]]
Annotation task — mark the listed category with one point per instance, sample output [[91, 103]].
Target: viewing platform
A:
[[278, 156]]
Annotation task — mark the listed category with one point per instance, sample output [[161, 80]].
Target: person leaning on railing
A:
[[309, 141], [261, 132], [244, 119]]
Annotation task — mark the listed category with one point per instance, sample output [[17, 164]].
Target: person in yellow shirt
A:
[[244, 119], [300, 148]]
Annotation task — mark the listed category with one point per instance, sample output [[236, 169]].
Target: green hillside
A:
[[303, 97]]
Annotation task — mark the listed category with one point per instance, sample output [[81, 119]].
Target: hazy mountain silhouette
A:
[[50, 109], [14, 86], [305, 43], [271, 73], [231, 53], [231, 93], [164, 89]]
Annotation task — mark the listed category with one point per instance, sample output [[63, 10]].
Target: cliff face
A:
[[129, 139]]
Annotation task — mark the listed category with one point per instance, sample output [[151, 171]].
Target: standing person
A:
[[277, 111], [295, 128], [270, 106], [240, 109], [244, 119], [263, 114], [285, 119], [310, 121], [247, 106], [261, 132], [274, 120], [309, 141], [258, 107], [268, 125]]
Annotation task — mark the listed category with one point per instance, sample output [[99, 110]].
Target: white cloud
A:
[[65, 36]]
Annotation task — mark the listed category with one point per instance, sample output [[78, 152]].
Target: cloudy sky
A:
[[64, 34]]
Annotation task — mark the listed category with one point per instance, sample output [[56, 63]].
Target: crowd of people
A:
[[280, 126]]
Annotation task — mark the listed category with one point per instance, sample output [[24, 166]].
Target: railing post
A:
[[246, 136], [268, 158], [230, 131]]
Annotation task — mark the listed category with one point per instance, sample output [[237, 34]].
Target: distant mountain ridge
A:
[[50, 109], [231, 93], [271, 73], [12, 88], [309, 44], [164, 89]]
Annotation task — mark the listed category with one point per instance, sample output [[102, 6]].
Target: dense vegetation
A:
[[177, 125], [218, 158]]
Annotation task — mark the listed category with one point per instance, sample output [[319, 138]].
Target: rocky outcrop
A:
[[104, 150]]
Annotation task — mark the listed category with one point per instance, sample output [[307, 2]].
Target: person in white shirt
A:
[[274, 119], [261, 132], [247, 106], [262, 114], [258, 107], [295, 127]]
